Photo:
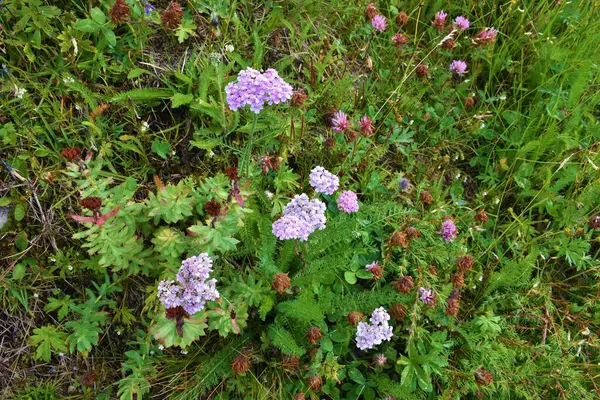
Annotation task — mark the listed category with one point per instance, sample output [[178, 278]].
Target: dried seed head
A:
[[91, 203], [89, 379], [413, 233], [483, 377], [351, 135], [426, 197], [399, 40], [379, 360], [119, 12], [355, 317], [594, 222], [399, 239], [370, 11], [314, 383], [422, 71], [298, 98], [71, 153], [281, 282], [299, 396], [453, 303], [402, 18], [469, 102], [240, 365], [458, 280], [449, 44], [405, 284], [212, 208], [290, 363], [398, 311], [465, 263], [172, 15], [314, 335], [377, 271]]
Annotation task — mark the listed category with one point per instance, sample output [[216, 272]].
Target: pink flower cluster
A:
[[459, 67], [347, 202], [427, 296], [487, 35], [449, 231], [324, 181], [193, 287], [340, 121], [255, 88], [462, 23], [375, 333], [379, 23], [300, 218]]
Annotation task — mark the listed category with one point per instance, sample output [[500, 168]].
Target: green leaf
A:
[[364, 274], [136, 72], [47, 338], [19, 271], [87, 25], [98, 16], [21, 241], [166, 332], [4, 201], [180, 99], [19, 212], [161, 148], [110, 36], [350, 277]]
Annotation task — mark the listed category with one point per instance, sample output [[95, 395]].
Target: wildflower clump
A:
[[255, 88], [193, 287], [369, 335], [449, 231], [301, 217]]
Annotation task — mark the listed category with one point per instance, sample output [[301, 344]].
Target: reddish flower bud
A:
[[290, 363], [453, 303], [399, 40], [398, 311], [370, 11], [458, 280], [469, 102], [314, 383], [413, 233], [212, 208], [240, 365], [298, 98], [91, 203], [481, 216], [449, 44], [426, 197], [483, 377], [71, 153], [465, 263], [232, 173], [379, 360], [399, 239], [422, 71]]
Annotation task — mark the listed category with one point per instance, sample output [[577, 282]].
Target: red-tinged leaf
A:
[[190, 233], [239, 199], [82, 219], [159, 183], [236, 328], [100, 221]]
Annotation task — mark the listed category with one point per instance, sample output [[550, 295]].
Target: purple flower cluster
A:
[[347, 202], [193, 287], [404, 184], [323, 181], [449, 231], [462, 23], [254, 88], [427, 296], [440, 19], [375, 333], [300, 218], [458, 67], [487, 35], [379, 23]]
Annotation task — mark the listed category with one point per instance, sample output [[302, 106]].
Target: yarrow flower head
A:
[[462, 23], [323, 181], [379, 23], [486, 36], [340, 122], [193, 287], [255, 88], [449, 231], [440, 19], [300, 218], [347, 202], [369, 335], [458, 67], [427, 296]]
